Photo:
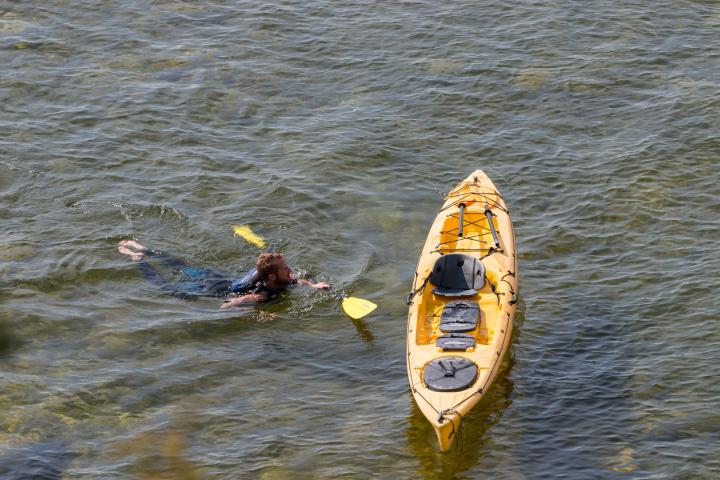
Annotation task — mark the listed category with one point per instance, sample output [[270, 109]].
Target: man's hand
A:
[[245, 299], [321, 285]]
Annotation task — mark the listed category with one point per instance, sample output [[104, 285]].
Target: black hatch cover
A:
[[459, 316], [449, 374], [455, 341]]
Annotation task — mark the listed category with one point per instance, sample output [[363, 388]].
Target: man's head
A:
[[273, 269]]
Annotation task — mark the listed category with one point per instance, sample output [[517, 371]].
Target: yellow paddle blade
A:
[[245, 232], [357, 307]]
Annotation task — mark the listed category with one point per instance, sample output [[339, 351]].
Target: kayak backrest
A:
[[457, 275]]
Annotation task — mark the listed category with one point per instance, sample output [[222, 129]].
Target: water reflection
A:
[[363, 331], [473, 442]]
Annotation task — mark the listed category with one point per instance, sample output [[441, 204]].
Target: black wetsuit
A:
[[179, 279], [257, 285]]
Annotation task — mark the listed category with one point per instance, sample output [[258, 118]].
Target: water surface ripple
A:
[[332, 128]]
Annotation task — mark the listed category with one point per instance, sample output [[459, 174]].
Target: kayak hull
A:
[[474, 221]]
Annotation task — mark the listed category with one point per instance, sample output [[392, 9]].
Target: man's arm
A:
[[244, 300], [321, 285]]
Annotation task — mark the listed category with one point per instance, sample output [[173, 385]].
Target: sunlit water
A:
[[333, 128]]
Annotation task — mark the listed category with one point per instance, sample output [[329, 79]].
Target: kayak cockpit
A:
[[460, 299], [438, 317]]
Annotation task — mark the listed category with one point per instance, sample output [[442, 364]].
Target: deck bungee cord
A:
[[458, 234]]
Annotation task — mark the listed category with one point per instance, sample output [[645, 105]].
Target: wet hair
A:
[[268, 263]]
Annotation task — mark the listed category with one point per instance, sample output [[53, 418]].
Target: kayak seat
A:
[[457, 275], [449, 374], [459, 316], [455, 341]]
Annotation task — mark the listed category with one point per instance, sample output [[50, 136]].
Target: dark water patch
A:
[[37, 461], [8, 340]]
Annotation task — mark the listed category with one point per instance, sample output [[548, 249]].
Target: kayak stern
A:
[[447, 430]]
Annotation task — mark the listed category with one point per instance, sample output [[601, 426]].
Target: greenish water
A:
[[333, 128]]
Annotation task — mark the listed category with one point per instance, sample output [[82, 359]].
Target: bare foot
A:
[[132, 244], [135, 256]]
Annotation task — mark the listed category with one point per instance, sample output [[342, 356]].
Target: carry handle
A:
[[489, 215], [462, 212]]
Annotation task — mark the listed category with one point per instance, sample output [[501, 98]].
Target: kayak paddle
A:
[[355, 308], [245, 232]]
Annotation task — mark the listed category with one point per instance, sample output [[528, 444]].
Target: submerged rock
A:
[[531, 78], [15, 251], [10, 24], [439, 66]]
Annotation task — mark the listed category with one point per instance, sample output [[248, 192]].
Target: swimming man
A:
[[270, 277]]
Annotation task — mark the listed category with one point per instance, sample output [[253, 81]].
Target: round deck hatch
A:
[[449, 374]]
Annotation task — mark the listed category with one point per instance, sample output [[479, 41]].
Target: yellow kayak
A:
[[462, 305]]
